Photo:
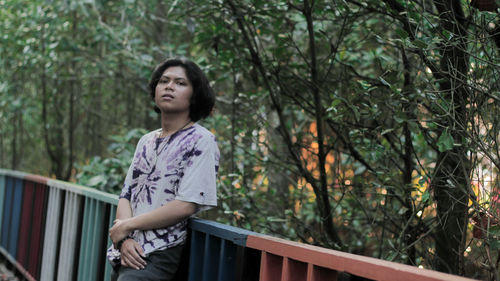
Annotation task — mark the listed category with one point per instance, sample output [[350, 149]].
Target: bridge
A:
[[55, 230]]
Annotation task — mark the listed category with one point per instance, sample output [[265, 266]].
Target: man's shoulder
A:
[[148, 137], [151, 134], [203, 132]]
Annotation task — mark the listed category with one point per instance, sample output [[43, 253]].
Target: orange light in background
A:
[[298, 206], [330, 159], [315, 147], [312, 129]]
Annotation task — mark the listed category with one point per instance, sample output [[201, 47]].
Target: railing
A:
[[54, 230]]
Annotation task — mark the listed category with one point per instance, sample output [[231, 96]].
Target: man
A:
[[172, 176]]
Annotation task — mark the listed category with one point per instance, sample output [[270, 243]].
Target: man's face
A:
[[173, 91]]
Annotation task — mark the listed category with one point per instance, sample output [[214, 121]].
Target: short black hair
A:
[[203, 98]]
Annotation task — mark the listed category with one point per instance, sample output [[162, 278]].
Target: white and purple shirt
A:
[[182, 166]]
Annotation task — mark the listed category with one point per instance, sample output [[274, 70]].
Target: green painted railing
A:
[[54, 230]]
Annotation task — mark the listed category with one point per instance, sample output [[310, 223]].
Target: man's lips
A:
[[168, 96]]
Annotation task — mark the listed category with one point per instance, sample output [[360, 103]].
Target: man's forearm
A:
[[123, 211], [167, 215]]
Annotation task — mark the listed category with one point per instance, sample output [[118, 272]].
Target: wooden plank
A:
[[17, 199], [85, 241], [271, 267], [227, 261], [85, 191], [236, 235], [311, 274], [36, 179], [97, 228], [39, 218], [64, 261], [2, 199], [210, 260], [24, 244], [286, 270], [293, 270], [51, 237], [196, 255], [362, 266], [70, 231], [247, 264], [12, 173], [316, 273], [7, 209], [108, 268]]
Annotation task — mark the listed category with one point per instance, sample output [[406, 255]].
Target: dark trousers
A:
[[160, 265]]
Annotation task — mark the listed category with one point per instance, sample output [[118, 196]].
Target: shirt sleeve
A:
[[126, 191], [127, 185], [198, 184]]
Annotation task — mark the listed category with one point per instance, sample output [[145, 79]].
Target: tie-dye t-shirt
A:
[[182, 166]]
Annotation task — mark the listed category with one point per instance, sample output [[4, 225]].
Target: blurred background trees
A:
[[366, 126]]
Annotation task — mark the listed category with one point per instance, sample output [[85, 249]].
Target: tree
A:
[[373, 97]]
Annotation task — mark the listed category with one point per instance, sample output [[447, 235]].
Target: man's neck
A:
[[171, 123]]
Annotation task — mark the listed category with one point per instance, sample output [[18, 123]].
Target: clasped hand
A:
[[119, 231], [132, 254]]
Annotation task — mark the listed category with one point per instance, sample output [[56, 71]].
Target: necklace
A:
[[177, 129], [158, 141]]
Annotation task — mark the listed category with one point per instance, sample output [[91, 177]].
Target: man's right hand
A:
[[132, 254]]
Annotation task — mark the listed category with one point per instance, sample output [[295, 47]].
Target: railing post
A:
[[196, 256], [111, 218], [92, 253], [51, 239], [37, 233], [70, 230], [2, 202], [26, 223], [227, 261], [15, 216]]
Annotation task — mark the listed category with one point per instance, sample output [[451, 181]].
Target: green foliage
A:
[[386, 109], [445, 142], [107, 172]]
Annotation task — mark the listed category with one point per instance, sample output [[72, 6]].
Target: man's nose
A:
[[169, 84]]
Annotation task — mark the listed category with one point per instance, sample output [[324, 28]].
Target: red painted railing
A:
[[285, 260]]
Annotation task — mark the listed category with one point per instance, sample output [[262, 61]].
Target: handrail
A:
[[54, 230]]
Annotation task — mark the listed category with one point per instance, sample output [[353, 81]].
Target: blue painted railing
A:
[[54, 230]]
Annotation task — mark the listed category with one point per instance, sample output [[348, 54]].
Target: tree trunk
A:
[[54, 139], [20, 125], [323, 198], [451, 178], [14, 144], [409, 233]]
